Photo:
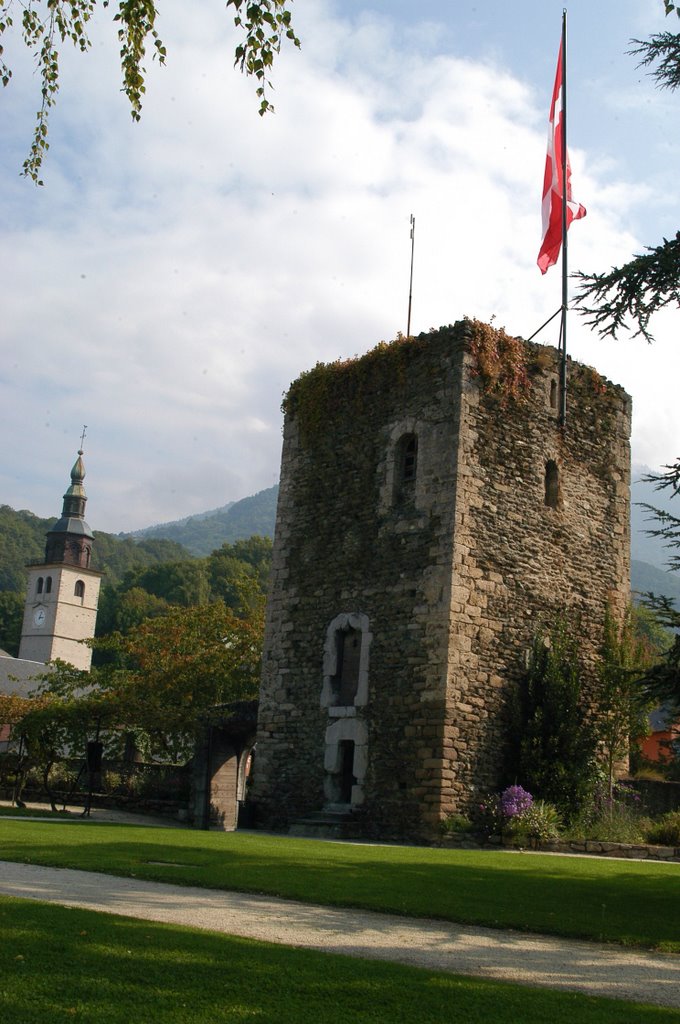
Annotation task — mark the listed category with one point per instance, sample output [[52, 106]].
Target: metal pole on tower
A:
[[410, 286]]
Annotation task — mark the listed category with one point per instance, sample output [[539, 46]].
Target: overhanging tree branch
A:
[[45, 23], [650, 281], [634, 291]]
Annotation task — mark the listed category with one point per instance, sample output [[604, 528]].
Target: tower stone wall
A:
[[432, 512]]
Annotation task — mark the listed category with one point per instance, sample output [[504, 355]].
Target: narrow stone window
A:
[[345, 682], [552, 484], [345, 663], [79, 589], [553, 394], [405, 468], [39, 585], [48, 585]]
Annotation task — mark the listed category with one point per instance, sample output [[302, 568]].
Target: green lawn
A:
[[630, 902], [59, 965]]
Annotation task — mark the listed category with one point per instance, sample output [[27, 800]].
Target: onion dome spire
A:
[[70, 539]]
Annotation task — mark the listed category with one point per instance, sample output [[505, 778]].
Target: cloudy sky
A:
[[172, 277]]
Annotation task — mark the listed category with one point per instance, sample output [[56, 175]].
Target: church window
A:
[[39, 585], [405, 467], [552, 484], [79, 589], [48, 585]]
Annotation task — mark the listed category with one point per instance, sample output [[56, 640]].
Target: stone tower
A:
[[432, 513], [63, 591]]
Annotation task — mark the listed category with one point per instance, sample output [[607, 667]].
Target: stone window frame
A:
[[79, 590], [48, 584], [39, 585], [345, 620], [390, 498]]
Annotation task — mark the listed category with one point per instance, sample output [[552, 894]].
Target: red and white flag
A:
[[553, 184]]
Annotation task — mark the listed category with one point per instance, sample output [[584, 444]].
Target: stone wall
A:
[[445, 576]]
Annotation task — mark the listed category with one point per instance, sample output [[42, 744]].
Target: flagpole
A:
[[410, 285], [563, 157]]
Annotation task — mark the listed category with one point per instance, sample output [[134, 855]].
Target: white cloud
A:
[[174, 276]]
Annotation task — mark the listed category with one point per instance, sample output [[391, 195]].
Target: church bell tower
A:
[[63, 591]]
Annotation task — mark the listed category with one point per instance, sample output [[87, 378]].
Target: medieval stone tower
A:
[[63, 591], [432, 513]]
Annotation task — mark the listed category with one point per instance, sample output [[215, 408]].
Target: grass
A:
[[635, 903], [61, 965]]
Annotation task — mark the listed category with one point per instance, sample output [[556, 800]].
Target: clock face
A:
[[39, 616]]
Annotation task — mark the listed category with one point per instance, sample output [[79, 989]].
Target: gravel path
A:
[[503, 955]]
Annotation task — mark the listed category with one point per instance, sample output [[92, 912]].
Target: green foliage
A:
[[120, 611], [662, 680], [11, 618], [169, 670], [180, 583], [553, 745], [636, 290], [650, 281], [203, 533], [358, 384], [46, 24], [540, 823], [665, 832], [455, 823], [611, 815], [621, 704], [266, 25], [22, 540]]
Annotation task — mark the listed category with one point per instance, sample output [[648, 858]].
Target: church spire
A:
[[70, 539]]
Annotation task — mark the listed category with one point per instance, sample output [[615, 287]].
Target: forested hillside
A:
[[143, 579], [203, 533], [22, 540]]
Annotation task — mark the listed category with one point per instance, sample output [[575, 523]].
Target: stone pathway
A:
[[502, 955]]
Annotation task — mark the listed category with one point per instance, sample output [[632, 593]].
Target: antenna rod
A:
[[410, 285]]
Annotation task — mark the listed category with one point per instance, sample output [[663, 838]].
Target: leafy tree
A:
[[662, 681], [68, 708], [621, 704], [46, 24], [121, 612], [239, 574], [11, 619], [651, 280], [182, 583], [171, 669], [552, 751]]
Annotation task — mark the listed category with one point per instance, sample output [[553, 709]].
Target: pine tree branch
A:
[[635, 291], [662, 50]]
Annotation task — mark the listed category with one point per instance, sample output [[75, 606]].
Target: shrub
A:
[[538, 823], [455, 823], [666, 831]]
